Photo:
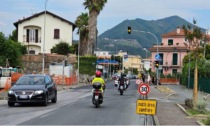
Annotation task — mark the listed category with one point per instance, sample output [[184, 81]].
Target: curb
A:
[[156, 121], [184, 110]]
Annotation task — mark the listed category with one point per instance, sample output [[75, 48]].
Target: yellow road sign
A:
[[146, 106]]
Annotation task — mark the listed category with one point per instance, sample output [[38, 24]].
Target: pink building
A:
[[172, 51]]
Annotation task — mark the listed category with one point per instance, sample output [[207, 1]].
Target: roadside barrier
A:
[[7, 85], [66, 80]]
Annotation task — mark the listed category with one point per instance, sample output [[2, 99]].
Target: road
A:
[[74, 107]]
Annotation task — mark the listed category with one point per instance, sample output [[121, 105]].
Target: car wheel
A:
[[11, 104], [45, 101], [54, 100]]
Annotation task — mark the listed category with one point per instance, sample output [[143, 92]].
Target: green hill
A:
[[117, 38]]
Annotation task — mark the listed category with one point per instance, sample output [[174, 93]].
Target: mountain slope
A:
[[115, 38]]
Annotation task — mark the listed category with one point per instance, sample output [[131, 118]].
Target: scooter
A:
[[121, 88], [116, 82], [97, 98]]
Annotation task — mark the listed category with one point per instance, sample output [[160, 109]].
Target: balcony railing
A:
[[32, 39]]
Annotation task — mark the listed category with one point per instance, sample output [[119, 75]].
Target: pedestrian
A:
[[153, 79], [143, 77], [148, 79]]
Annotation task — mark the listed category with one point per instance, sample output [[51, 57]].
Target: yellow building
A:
[[131, 61]]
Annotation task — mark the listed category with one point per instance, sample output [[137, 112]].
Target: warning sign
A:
[[146, 106]]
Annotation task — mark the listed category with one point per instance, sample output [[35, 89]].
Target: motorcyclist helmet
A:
[[98, 73]]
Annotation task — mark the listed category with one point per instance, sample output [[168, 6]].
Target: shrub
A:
[[201, 107], [207, 121], [189, 102]]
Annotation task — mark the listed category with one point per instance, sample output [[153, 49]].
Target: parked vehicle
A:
[[9, 74], [97, 98], [33, 88], [115, 76]]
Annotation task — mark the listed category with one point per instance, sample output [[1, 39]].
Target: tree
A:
[[81, 22], [94, 7], [62, 48], [194, 35], [10, 50], [14, 35]]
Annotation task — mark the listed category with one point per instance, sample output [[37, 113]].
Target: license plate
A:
[[23, 96], [96, 97], [116, 82]]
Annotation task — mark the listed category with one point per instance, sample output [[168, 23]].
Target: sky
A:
[[114, 12]]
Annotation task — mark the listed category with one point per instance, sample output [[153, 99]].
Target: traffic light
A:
[[157, 64], [129, 29]]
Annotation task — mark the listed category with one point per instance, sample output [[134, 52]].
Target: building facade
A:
[[42, 31], [172, 50]]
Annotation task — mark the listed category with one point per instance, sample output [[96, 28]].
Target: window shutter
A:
[[27, 35], [56, 33], [36, 35], [175, 58]]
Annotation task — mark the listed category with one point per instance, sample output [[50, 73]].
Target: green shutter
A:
[[170, 42], [175, 58], [161, 55]]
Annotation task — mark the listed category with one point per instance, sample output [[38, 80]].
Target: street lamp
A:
[[146, 51], [188, 51], [44, 38], [157, 49]]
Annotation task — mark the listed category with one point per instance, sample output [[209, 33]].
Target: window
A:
[[174, 71], [170, 42], [175, 59], [56, 33], [32, 52], [32, 35]]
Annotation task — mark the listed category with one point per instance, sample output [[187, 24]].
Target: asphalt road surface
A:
[[74, 107]]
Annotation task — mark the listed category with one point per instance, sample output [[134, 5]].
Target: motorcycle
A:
[[121, 87], [127, 82], [116, 82], [97, 98]]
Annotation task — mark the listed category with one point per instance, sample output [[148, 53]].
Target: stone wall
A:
[[34, 62]]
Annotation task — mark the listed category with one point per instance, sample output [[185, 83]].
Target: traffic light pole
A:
[[157, 70]]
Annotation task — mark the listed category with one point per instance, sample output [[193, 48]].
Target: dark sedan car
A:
[[33, 88]]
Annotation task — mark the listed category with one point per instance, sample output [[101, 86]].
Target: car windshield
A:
[[32, 80]]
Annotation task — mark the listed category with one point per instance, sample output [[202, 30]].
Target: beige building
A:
[[43, 31], [131, 61]]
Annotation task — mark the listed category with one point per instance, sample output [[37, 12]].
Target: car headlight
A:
[[38, 92], [11, 92]]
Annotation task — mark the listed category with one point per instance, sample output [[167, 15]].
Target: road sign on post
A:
[[138, 81], [146, 106], [143, 89]]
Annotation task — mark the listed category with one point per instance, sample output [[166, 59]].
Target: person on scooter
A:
[[121, 81], [99, 79]]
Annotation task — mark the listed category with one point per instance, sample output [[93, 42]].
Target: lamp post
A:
[[188, 51], [157, 49], [43, 63], [146, 51]]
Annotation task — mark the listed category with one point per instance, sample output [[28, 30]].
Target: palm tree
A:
[[82, 20], [193, 34], [94, 7]]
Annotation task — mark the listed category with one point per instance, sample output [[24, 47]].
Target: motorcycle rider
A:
[[99, 79], [121, 81]]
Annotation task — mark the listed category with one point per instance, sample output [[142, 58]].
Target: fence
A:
[[203, 84], [65, 80]]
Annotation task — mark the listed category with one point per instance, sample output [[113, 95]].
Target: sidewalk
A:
[[168, 111]]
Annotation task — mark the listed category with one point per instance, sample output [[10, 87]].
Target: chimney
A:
[[178, 30]]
